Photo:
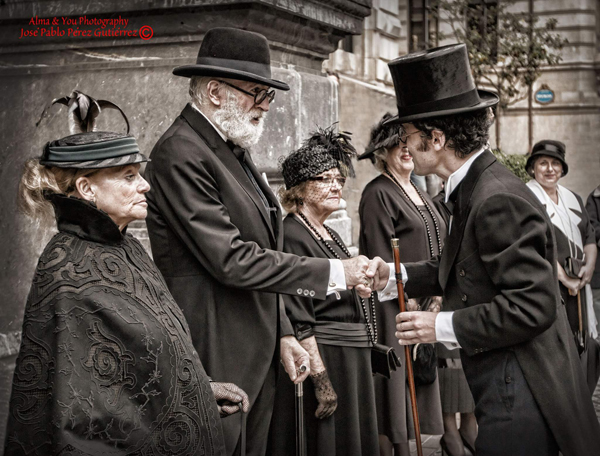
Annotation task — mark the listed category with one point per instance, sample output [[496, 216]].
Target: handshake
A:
[[366, 275]]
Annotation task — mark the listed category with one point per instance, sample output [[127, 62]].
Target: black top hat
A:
[[233, 53], [550, 148], [435, 83]]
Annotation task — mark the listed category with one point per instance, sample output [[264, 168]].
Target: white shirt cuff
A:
[[391, 291], [337, 278], [444, 331]]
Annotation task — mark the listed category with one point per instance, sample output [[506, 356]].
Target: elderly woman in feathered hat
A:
[[575, 242], [337, 332], [106, 365]]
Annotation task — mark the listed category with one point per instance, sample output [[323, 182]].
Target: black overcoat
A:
[[498, 273], [213, 241]]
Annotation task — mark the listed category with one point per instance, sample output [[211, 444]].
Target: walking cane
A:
[[300, 441], [409, 367]]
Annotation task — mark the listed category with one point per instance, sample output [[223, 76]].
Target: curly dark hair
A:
[[465, 133]]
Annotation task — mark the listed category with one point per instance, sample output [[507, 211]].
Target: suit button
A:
[[299, 291], [462, 273], [305, 292], [312, 293], [508, 379], [464, 298]]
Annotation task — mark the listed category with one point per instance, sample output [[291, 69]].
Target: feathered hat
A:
[[382, 137], [324, 150], [86, 148]]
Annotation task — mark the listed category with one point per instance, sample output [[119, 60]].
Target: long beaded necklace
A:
[[420, 211], [372, 331]]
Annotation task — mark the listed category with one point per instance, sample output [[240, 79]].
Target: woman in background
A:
[[392, 206]]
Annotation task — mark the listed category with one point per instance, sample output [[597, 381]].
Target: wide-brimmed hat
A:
[[383, 136], [236, 54], [88, 149], [436, 82], [550, 148]]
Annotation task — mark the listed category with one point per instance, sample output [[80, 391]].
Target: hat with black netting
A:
[[324, 150]]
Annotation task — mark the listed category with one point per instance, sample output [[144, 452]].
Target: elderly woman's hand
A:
[[228, 397], [586, 273], [326, 396]]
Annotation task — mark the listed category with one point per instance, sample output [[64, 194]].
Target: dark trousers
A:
[[509, 419], [257, 421]]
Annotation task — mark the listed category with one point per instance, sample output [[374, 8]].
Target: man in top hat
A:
[[497, 271], [215, 228]]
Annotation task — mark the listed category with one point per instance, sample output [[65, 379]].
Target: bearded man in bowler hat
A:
[[216, 230], [497, 271]]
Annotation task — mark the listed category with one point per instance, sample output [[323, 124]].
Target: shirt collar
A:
[[221, 134], [457, 176]]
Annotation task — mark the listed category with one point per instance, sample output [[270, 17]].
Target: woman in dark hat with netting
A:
[[576, 247], [339, 403], [106, 364], [392, 206]]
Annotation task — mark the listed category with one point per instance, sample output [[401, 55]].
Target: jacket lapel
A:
[[222, 151], [461, 213]]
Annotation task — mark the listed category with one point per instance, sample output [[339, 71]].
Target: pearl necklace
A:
[[372, 332], [427, 228]]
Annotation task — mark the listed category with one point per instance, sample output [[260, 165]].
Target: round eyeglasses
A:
[[404, 136], [259, 96]]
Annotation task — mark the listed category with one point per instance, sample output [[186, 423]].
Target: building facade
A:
[[397, 27]]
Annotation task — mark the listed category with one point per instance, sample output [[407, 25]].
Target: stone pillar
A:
[[67, 48]]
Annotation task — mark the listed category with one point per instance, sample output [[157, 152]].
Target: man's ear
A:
[[438, 139], [214, 93], [85, 188]]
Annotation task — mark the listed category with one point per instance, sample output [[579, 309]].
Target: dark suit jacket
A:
[[211, 238], [498, 273]]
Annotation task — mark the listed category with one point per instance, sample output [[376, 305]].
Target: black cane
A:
[[300, 440]]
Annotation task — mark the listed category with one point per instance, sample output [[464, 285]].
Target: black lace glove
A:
[[325, 395], [228, 396]]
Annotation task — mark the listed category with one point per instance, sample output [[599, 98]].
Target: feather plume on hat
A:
[[83, 111], [382, 137], [325, 149]]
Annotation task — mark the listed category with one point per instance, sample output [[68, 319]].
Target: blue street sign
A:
[[544, 96]]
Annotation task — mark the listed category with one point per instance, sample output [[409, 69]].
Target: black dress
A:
[[106, 365], [385, 212], [352, 429]]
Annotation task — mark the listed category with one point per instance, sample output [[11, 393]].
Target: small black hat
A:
[[550, 148], [436, 82], [323, 151], [383, 136], [233, 53]]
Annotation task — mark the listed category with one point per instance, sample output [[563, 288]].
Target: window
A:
[[421, 20]]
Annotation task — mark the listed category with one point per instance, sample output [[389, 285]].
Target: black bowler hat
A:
[[236, 54], [550, 148], [436, 82]]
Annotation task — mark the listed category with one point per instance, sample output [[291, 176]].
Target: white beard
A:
[[236, 124]]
